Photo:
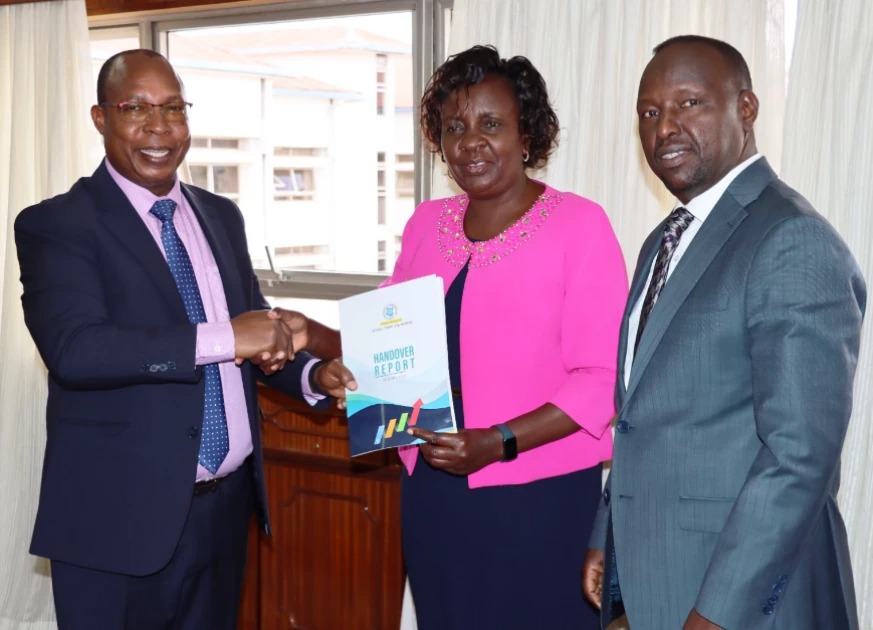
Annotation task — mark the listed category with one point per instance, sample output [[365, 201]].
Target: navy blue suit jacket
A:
[[125, 399]]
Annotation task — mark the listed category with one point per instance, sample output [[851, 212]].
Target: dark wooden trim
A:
[[113, 7], [5, 2], [109, 7]]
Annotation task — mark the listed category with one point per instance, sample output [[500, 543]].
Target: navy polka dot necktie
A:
[[214, 443]]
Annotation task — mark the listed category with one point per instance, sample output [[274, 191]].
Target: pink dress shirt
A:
[[215, 342], [540, 320]]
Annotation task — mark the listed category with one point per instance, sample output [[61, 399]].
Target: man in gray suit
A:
[[737, 356]]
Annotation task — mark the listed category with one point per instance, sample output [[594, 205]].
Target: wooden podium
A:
[[334, 561]]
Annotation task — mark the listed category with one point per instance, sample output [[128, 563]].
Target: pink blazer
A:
[[540, 321]]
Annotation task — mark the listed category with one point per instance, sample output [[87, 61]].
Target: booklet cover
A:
[[394, 342]]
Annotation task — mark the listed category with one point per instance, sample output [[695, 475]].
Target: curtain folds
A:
[[829, 159], [592, 53], [44, 131]]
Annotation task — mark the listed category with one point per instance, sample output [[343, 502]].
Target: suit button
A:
[[193, 432], [606, 496], [782, 579], [622, 426], [773, 599], [767, 610]]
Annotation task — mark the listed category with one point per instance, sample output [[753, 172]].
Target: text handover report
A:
[[394, 342]]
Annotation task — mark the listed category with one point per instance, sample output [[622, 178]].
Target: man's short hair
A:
[[730, 54], [109, 65]]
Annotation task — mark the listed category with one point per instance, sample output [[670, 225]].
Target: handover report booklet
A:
[[394, 342]]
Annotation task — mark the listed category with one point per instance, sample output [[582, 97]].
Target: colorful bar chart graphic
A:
[[400, 426]]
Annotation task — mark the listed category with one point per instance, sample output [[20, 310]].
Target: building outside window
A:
[[219, 179], [381, 190], [380, 255], [381, 67], [304, 129], [293, 183], [294, 146]]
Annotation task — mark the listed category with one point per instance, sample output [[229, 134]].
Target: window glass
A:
[[226, 180], [225, 143], [405, 183], [199, 175], [107, 41], [324, 311], [300, 122], [293, 183]]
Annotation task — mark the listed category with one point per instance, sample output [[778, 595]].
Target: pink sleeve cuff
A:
[[309, 396], [214, 343]]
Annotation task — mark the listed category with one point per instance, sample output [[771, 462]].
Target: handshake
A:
[[269, 339]]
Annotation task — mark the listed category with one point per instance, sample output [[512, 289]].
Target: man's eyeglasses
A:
[[139, 111]]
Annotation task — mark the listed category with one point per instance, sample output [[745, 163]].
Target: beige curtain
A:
[[592, 53], [44, 99], [828, 157]]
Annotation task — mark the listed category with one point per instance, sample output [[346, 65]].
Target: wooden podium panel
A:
[[334, 561]]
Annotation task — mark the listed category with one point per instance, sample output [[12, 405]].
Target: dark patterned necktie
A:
[[214, 443], [676, 224]]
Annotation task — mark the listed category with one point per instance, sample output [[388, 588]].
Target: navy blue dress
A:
[[501, 557]]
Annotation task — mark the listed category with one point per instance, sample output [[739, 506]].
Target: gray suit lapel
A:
[[726, 216]]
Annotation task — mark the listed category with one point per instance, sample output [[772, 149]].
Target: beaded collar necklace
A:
[[456, 248]]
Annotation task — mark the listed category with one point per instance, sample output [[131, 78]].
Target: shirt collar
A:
[[701, 206], [140, 198]]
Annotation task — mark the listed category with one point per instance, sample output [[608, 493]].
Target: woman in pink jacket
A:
[[496, 517]]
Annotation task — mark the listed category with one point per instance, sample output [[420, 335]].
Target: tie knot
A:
[[164, 209], [679, 219]]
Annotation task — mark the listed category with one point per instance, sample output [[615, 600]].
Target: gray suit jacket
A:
[[727, 452]]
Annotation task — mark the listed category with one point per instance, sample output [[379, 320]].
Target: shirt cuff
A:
[[214, 343], [309, 396]]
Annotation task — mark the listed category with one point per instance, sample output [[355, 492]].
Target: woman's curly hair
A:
[[537, 120]]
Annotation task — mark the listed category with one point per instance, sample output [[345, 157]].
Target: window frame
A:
[[296, 192], [428, 50]]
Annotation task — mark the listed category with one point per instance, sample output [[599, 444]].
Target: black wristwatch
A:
[[510, 444]]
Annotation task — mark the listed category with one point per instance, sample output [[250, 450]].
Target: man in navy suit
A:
[[737, 356], [140, 296]]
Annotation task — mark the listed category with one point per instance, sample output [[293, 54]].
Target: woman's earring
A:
[[525, 156]]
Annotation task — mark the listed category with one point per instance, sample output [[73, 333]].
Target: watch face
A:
[[510, 449], [510, 445]]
